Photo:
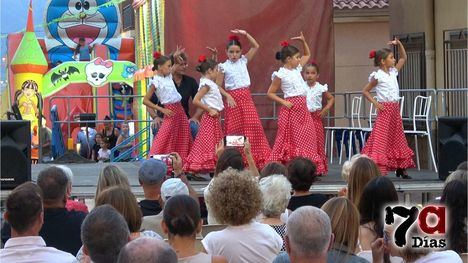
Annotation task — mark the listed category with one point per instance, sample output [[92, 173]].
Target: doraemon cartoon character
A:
[[97, 71], [68, 20]]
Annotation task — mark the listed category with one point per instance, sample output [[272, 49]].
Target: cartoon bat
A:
[[63, 74]]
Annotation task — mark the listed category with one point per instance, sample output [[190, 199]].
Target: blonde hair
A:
[[111, 175], [235, 197], [344, 218], [348, 164], [276, 192], [362, 171]]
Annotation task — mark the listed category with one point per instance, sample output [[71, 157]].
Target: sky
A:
[[13, 16]]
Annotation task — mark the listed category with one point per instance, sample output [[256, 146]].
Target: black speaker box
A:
[[452, 144], [15, 153]]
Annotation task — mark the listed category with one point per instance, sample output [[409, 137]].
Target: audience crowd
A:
[[253, 216]]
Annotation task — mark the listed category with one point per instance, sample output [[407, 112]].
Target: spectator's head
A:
[[125, 203], [54, 183], [124, 128], [98, 138], [301, 173], [105, 143], [378, 193], [458, 174], [172, 187], [82, 41], [231, 157], [147, 250], [111, 175], [103, 233], [24, 210], [344, 218], [347, 166], [308, 234], [276, 192], [273, 168], [152, 173], [454, 197], [362, 171], [108, 125], [181, 217], [235, 197], [463, 166], [68, 172]]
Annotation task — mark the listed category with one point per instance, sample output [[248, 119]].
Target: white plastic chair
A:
[[421, 111], [355, 111]]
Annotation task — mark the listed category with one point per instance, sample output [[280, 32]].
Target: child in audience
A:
[[124, 134], [96, 147], [104, 153]]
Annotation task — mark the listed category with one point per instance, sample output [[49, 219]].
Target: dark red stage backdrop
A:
[[195, 24]]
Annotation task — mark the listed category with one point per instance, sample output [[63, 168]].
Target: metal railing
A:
[[441, 107]]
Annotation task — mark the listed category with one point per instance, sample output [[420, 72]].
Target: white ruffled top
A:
[[213, 97], [292, 83], [387, 88], [236, 75], [165, 89], [314, 96]]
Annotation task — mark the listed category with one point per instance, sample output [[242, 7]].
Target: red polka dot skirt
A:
[[202, 157], [320, 135], [296, 135], [174, 133], [387, 144], [243, 120]]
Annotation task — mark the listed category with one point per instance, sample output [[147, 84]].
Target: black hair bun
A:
[[278, 55], [198, 68]]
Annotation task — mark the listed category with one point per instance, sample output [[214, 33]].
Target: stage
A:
[[424, 186]]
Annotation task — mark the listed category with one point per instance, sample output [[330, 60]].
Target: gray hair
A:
[[276, 192], [309, 231], [68, 172], [147, 250], [457, 175], [104, 232]]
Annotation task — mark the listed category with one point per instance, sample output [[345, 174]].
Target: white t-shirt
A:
[[165, 89], [206, 192], [314, 96], [292, 83], [213, 97], [32, 249], [253, 242], [440, 257], [236, 75], [104, 153], [387, 85]]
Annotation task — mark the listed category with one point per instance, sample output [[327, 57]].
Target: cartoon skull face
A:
[[97, 71]]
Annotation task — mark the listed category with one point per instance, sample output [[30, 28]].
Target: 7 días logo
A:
[[431, 221]]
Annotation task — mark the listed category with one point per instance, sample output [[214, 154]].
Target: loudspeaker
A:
[[15, 153], [452, 144]]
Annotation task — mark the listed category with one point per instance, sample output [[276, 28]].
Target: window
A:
[[455, 68], [128, 18]]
